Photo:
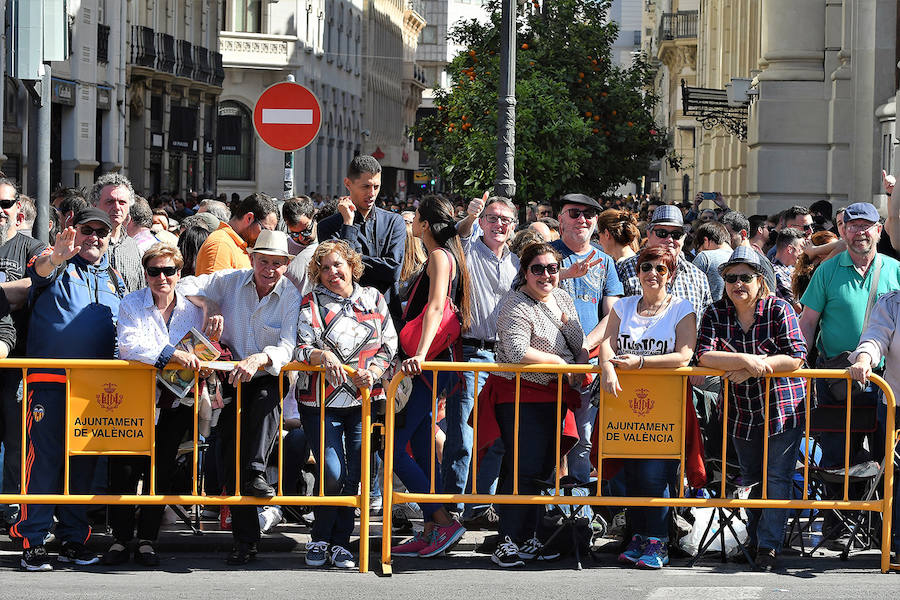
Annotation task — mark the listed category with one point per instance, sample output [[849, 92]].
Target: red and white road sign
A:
[[287, 116]]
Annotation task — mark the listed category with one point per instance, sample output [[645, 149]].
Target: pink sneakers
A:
[[412, 546], [442, 539]]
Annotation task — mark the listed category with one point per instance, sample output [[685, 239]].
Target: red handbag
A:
[[448, 330]]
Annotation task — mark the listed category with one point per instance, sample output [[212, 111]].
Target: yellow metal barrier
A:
[[107, 393], [883, 506]]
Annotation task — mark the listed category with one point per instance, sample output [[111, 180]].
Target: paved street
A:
[[193, 567]]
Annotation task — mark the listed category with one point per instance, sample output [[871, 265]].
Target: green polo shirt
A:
[[840, 294]]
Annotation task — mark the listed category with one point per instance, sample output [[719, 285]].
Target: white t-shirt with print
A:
[[649, 336]]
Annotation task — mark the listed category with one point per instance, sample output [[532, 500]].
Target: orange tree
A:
[[582, 123]]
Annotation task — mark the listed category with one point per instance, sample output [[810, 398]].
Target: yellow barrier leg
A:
[[365, 488]]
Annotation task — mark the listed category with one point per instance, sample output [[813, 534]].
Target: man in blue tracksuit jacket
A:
[[75, 302]]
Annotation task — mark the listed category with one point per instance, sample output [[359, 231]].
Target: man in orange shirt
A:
[[226, 248]]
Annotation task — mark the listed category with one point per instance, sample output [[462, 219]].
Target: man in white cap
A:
[[260, 308]]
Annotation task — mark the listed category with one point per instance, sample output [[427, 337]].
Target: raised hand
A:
[[888, 181], [476, 205], [580, 268], [65, 247], [347, 209]]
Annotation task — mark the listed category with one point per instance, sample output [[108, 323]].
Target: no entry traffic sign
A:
[[287, 116]]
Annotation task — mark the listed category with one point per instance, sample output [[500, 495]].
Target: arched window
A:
[[235, 141]]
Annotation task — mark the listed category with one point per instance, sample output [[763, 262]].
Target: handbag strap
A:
[[873, 290]]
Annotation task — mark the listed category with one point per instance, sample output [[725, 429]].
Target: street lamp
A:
[[505, 184]]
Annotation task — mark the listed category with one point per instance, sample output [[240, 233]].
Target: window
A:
[[429, 35], [247, 16], [235, 141]]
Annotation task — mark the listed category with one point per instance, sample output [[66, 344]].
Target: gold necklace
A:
[[658, 307]]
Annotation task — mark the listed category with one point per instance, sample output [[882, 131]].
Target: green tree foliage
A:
[[582, 124]]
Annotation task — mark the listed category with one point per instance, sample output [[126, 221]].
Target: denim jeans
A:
[[537, 437], [343, 441], [458, 447], [416, 430], [296, 451], [650, 477], [766, 527], [579, 457]]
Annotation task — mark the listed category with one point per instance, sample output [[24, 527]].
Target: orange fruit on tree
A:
[[524, 46]]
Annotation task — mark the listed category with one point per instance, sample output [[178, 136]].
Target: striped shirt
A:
[[125, 257], [775, 331], [490, 278]]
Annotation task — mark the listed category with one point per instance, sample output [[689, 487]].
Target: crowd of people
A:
[[367, 288]]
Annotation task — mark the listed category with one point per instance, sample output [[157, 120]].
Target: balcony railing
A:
[[185, 66], [218, 75], [202, 68], [678, 25], [417, 6], [143, 47], [102, 43], [166, 59]]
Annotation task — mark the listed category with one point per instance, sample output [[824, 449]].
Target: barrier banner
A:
[[111, 410], [646, 418]]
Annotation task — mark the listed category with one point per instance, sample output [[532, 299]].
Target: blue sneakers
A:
[[656, 555], [634, 551]]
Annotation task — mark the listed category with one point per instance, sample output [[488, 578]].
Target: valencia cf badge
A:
[[37, 412]]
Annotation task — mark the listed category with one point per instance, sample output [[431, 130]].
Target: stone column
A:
[[787, 125]]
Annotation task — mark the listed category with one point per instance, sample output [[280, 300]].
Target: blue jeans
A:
[[537, 438], [650, 478], [295, 454], [343, 443], [579, 457], [414, 428], [766, 527], [458, 446]]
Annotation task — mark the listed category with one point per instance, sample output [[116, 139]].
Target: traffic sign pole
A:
[[288, 175]]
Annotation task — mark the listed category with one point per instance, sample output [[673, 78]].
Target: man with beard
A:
[[589, 275], [17, 249], [837, 300], [226, 247]]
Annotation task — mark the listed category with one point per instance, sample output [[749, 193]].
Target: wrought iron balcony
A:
[[679, 25], [218, 75], [166, 59], [102, 43], [185, 65], [202, 68], [143, 47]]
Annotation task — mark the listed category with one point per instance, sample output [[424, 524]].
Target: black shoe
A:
[[116, 555], [36, 559], [241, 554], [258, 486], [75, 553], [766, 560], [486, 520], [507, 554], [146, 554]]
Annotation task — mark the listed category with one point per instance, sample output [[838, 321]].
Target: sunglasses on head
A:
[[550, 269], [7, 204], [168, 271], [100, 232], [661, 269], [744, 277], [574, 213], [664, 233]]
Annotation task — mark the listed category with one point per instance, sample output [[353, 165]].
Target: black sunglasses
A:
[[100, 232], [589, 213], [7, 204], [538, 269], [168, 271], [661, 269], [744, 277], [664, 233], [305, 235]]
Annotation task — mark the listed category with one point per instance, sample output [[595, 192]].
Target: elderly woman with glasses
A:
[[151, 322], [341, 324], [749, 334], [655, 329], [537, 324]]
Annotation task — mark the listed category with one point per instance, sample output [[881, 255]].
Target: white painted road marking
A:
[[287, 116], [704, 593]]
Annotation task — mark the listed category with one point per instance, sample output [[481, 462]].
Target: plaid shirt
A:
[[689, 283], [783, 277], [775, 330]]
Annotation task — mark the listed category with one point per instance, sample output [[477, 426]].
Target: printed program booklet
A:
[[181, 381]]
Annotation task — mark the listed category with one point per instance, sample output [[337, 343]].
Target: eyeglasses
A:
[[168, 271], [807, 228], [546, 213], [574, 213], [304, 235], [664, 233], [539, 269], [744, 277], [7, 204], [865, 225], [261, 226], [100, 232], [660, 269], [498, 219]]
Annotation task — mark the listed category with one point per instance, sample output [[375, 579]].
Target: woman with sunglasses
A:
[[749, 334], [655, 329], [537, 324], [151, 322]]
